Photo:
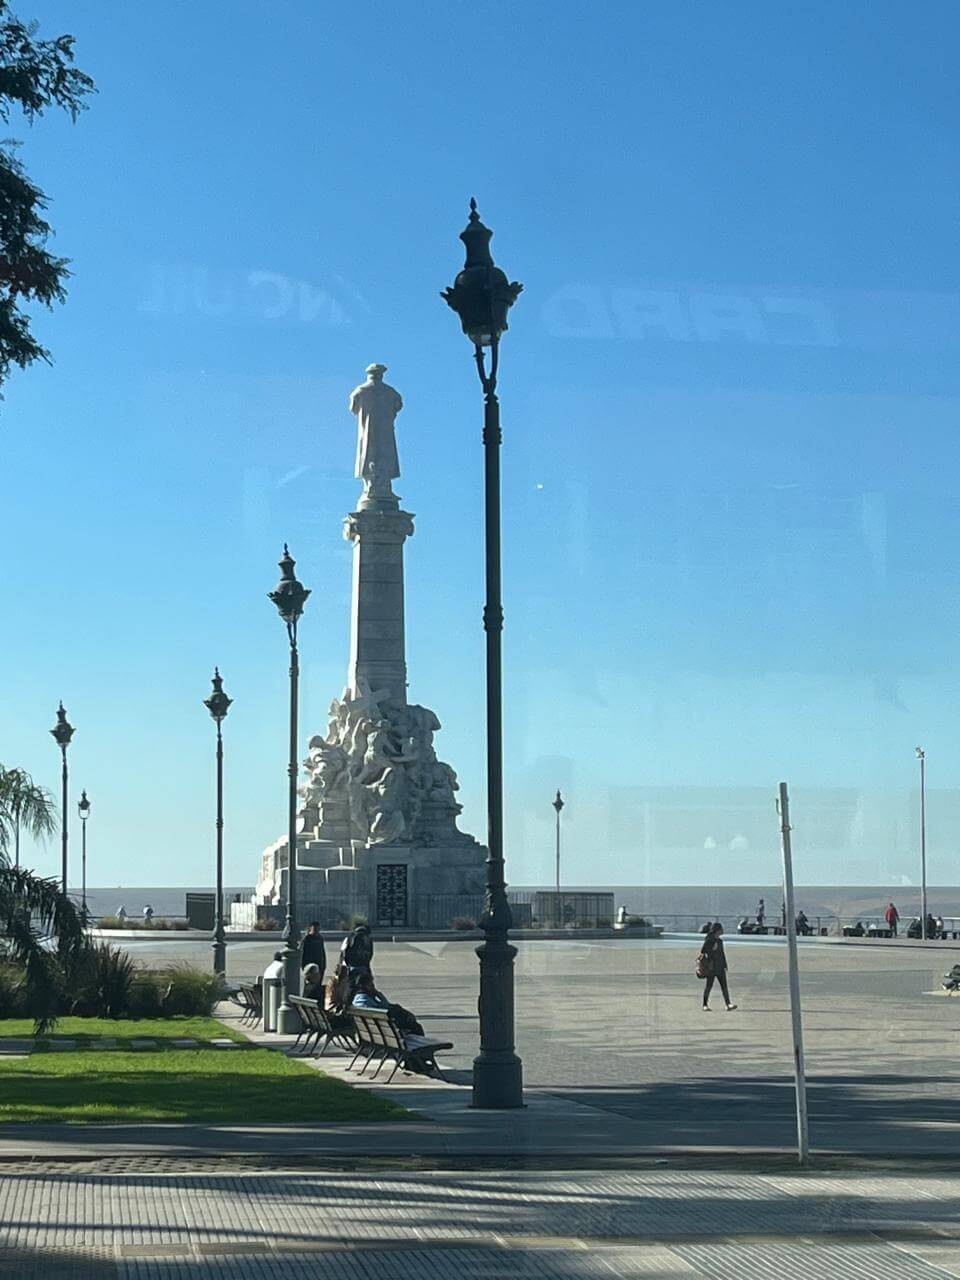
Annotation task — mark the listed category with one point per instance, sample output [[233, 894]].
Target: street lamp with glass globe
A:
[[83, 809], [481, 296], [62, 733], [218, 704], [290, 596]]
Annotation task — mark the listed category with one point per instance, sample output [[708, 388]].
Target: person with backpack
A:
[[712, 965], [356, 950]]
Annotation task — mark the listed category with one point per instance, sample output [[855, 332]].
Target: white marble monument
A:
[[378, 819]]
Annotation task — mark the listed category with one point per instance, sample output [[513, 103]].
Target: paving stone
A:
[[143, 1044], [16, 1048], [186, 1044], [108, 1043], [226, 1044], [62, 1046]]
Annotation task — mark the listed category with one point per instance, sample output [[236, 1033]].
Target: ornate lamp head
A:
[[63, 729], [481, 294], [289, 595], [83, 807], [558, 803], [218, 704]]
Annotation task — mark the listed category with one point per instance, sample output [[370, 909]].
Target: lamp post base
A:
[[288, 1020], [219, 954], [497, 1071], [497, 1081]]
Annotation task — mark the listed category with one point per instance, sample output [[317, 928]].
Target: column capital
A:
[[378, 526]]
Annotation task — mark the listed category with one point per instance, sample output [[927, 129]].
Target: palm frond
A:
[[32, 907]]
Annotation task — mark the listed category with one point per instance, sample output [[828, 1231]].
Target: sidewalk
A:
[[145, 1224]]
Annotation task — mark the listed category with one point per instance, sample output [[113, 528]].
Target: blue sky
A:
[[729, 394]]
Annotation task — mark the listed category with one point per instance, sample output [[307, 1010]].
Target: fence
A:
[[820, 926]]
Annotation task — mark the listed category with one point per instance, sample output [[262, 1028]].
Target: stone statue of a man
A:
[[376, 406]]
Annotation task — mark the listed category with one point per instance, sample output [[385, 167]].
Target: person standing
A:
[[761, 912], [713, 963], [892, 917], [312, 950]]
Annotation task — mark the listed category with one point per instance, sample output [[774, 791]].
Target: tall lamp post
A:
[[290, 596], [218, 704], [62, 732], [922, 757], [83, 809], [481, 296], [558, 805]]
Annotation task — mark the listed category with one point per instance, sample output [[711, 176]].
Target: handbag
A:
[[703, 966]]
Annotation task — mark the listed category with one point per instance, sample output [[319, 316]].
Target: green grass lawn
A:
[[203, 1086], [85, 1030]]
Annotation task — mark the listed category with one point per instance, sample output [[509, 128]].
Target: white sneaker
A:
[[730, 1008], [706, 1008]]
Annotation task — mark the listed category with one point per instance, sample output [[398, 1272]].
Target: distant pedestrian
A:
[[122, 916], [712, 964], [312, 950], [892, 917], [761, 912], [356, 950], [148, 912]]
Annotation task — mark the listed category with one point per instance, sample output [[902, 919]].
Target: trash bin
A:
[[271, 1002]]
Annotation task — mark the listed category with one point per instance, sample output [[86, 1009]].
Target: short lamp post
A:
[[218, 704], [290, 596], [558, 805], [83, 809], [62, 732], [481, 296], [922, 757]]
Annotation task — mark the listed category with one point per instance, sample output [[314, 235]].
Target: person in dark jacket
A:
[[312, 950], [715, 965], [356, 950]]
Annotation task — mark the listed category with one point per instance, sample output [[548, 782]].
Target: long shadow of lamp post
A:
[[83, 810], [481, 296], [62, 732], [290, 596], [218, 704]]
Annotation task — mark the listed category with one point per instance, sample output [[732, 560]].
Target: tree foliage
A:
[[32, 909], [35, 75]]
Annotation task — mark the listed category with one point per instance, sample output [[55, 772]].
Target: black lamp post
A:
[[83, 809], [558, 805], [290, 596], [218, 704], [481, 296], [63, 732]]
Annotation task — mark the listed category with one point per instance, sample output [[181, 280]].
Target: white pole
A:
[[922, 758], [803, 1145]]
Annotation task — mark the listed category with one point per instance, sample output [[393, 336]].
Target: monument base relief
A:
[[378, 819]]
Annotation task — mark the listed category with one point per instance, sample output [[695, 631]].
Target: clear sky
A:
[[730, 404]]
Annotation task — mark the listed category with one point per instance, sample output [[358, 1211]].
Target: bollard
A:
[[271, 1002]]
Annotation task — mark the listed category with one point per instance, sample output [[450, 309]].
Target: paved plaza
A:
[[615, 1027]]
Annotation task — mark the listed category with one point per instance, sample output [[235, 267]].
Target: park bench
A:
[[378, 1035], [315, 1025], [250, 999]]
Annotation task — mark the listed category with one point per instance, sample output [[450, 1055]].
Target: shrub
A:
[[637, 922], [462, 922], [146, 995], [189, 991], [12, 994], [96, 984]]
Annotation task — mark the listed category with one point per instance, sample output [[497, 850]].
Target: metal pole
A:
[[63, 870], [219, 937], [803, 1147], [559, 911], [923, 843], [497, 1071], [287, 1018], [16, 839], [83, 866]]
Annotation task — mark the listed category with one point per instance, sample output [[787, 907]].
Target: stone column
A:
[[377, 650]]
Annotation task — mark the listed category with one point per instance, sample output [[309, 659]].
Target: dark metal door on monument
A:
[[392, 894]]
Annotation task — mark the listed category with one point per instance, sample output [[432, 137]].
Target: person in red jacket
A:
[[892, 917]]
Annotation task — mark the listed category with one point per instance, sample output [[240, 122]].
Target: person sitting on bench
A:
[[366, 996]]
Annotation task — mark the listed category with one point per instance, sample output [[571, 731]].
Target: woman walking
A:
[[713, 966]]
